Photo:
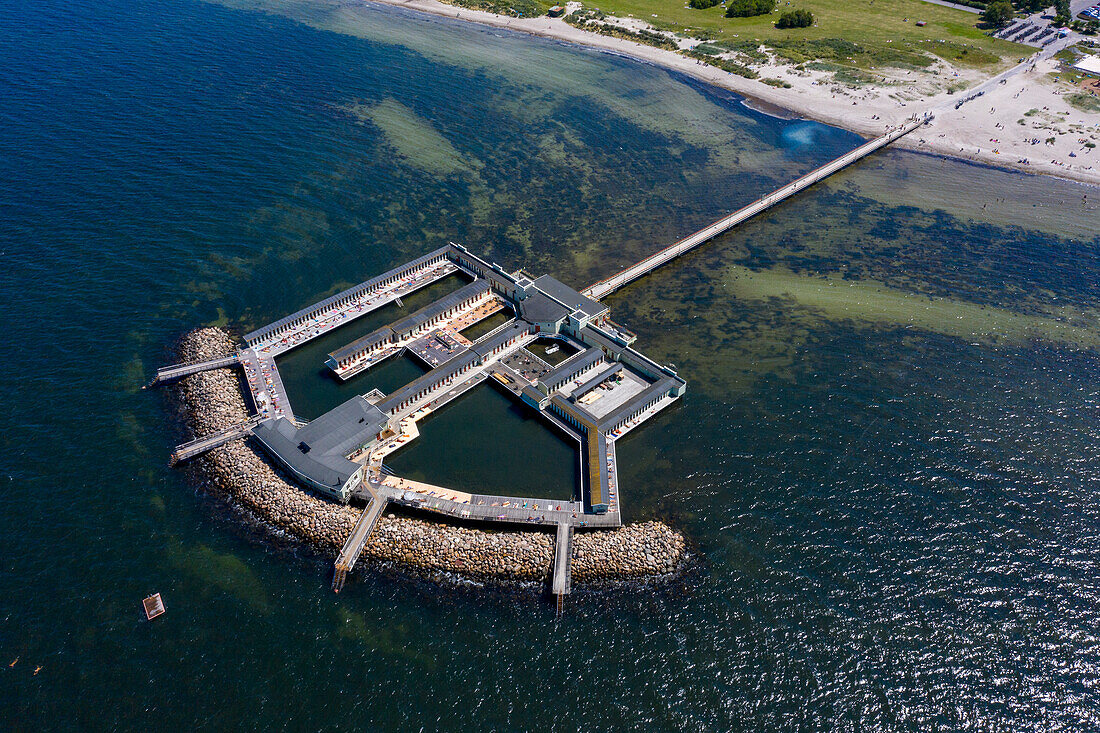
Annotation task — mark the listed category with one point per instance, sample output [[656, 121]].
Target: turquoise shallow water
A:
[[895, 517]]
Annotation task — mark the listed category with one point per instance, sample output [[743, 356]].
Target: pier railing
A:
[[606, 287], [178, 371], [357, 540]]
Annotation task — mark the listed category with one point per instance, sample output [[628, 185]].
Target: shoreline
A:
[[437, 551], [955, 140]]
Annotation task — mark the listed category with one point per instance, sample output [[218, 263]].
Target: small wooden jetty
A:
[[357, 540], [179, 371], [560, 579], [192, 448]]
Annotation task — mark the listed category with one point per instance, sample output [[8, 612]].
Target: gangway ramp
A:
[[604, 288], [561, 577], [357, 540], [179, 371], [198, 446]]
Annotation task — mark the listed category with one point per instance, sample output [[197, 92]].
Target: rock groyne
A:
[[214, 400]]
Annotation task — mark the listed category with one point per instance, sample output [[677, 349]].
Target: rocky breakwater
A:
[[243, 475]]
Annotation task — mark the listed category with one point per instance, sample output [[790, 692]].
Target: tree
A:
[[795, 19], [1062, 13], [746, 8], [704, 4], [998, 12], [1032, 6]]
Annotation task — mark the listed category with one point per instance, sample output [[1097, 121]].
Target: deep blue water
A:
[[895, 526]]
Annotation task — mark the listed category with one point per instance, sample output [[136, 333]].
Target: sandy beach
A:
[[1021, 121]]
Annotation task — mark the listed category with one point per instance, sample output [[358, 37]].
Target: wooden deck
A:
[[357, 540], [560, 583], [179, 371], [603, 288], [198, 446]]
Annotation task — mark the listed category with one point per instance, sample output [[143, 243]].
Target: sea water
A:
[[885, 461]]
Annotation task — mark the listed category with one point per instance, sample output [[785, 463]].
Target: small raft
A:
[[154, 606]]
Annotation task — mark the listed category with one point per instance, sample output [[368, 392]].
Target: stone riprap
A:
[[214, 400]]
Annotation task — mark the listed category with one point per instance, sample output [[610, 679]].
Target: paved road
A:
[[1076, 6], [1040, 55], [946, 4]]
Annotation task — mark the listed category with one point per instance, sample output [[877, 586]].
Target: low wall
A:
[[214, 400]]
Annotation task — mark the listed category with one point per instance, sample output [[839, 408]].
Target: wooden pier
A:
[[518, 510], [357, 540], [605, 287], [561, 577], [179, 371], [198, 446]]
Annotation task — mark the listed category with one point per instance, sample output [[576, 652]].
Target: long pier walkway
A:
[[186, 451], [605, 287], [357, 540]]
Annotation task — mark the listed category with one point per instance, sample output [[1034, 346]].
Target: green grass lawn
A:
[[878, 29]]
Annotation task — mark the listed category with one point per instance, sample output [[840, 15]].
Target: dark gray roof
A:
[[487, 344], [343, 428], [430, 311], [571, 366], [363, 344], [451, 366], [540, 308], [661, 385], [279, 437], [573, 300], [318, 450], [533, 394], [361, 287], [597, 337], [470, 261], [441, 372]]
